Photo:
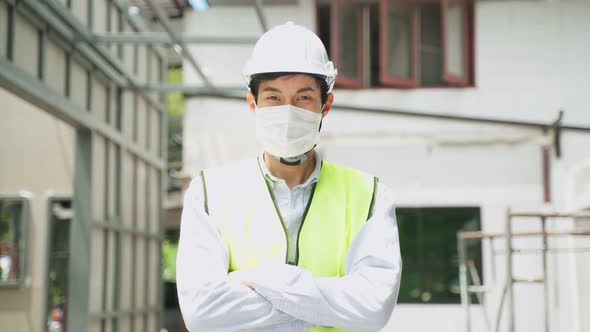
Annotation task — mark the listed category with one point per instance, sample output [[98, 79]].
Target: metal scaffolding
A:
[[467, 269]]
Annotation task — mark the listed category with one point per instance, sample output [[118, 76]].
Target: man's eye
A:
[[305, 98], [272, 98]]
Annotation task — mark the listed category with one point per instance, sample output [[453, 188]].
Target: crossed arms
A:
[[282, 297]]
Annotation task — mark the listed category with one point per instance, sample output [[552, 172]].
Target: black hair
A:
[[259, 78]]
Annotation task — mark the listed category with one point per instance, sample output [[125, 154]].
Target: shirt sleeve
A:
[[361, 300], [208, 300]]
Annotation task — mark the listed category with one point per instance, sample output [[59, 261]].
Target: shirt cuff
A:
[[284, 286]]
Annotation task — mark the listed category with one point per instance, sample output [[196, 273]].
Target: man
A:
[[288, 242]]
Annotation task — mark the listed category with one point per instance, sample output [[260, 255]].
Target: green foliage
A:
[[175, 102], [169, 250]]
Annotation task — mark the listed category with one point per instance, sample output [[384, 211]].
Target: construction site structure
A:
[[470, 280]]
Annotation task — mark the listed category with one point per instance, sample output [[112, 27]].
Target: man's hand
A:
[[243, 277]]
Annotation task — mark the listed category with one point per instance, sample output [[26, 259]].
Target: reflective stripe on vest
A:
[[242, 207]]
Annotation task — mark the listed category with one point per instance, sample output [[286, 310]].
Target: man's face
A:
[[298, 90]]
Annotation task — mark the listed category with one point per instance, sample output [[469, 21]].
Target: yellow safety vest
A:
[[241, 203]]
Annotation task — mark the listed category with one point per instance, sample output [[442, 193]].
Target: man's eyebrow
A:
[[271, 89], [306, 89]]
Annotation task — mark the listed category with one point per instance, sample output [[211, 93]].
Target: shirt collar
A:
[[313, 177]]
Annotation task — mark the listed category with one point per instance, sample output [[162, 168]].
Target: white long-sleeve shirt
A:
[[287, 298]]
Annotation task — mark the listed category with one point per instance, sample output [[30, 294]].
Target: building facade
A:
[[455, 106], [82, 170]]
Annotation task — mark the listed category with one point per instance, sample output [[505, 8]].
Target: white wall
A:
[[223, 64], [531, 61], [37, 155]]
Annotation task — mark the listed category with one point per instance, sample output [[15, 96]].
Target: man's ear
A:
[[251, 101], [328, 104]]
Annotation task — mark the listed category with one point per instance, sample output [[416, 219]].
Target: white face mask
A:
[[287, 131]]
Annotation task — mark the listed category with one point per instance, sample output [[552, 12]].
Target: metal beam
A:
[[138, 23], [37, 93], [179, 6], [158, 38], [192, 89], [58, 26], [98, 56], [185, 52], [123, 313], [426, 115], [260, 14]]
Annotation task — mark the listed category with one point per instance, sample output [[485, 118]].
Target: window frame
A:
[[453, 79], [386, 80], [384, 77], [22, 250], [421, 211], [342, 80], [50, 200]]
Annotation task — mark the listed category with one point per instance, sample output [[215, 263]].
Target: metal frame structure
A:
[[23, 248], [55, 23], [156, 38], [507, 294], [185, 52]]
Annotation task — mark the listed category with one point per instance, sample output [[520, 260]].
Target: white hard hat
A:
[[290, 48]]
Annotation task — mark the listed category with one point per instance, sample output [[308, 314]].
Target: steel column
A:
[[509, 275], [80, 237], [10, 38], [118, 235], [465, 298], [545, 281]]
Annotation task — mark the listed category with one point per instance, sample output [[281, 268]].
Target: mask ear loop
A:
[[322, 120], [255, 103]]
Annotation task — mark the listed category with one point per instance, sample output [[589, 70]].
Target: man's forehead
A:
[[291, 80]]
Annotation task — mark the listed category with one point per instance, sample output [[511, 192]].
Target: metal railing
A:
[[467, 267]]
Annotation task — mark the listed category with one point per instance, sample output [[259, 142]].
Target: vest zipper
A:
[[274, 202], [303, 221]]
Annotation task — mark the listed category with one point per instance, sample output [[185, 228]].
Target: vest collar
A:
[[313, 177]]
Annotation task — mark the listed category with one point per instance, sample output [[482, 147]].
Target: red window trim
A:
[[384, 76], [449, 77], [342, 80], [469, 48]]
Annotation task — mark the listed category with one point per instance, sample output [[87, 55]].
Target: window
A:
[[60, 218], [14, 211], [428, 244], [399, 43]]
